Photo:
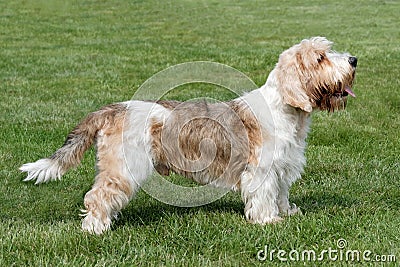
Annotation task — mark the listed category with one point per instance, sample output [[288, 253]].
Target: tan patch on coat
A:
[[256, 135], [109, 151], [208, 142], [107, 119], [157, 150]]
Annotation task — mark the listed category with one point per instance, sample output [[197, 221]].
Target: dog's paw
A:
[[95, 225], [294, 210], [290, 210]]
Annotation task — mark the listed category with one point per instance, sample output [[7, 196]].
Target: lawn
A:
[[60, 60]]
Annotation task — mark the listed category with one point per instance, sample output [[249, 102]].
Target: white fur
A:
[[265, 188], [137, 139], [43, 170]]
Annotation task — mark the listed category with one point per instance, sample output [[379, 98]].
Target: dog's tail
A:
[[77, 142]]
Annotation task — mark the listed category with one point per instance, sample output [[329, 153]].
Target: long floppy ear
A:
[[295, 67], [291, 87]]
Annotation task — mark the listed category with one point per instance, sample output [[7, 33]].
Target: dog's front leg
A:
[[259, 194]]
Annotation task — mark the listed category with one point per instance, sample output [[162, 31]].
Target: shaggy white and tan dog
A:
[[254, 143]]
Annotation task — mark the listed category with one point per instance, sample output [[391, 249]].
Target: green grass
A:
[[60, 60]]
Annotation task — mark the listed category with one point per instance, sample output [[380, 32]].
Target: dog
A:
[[254, 144]]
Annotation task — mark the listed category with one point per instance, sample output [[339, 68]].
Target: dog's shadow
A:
[[139, 214], [154, 212], [323, 201]]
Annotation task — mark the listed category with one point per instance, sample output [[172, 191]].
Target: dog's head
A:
[[311, 76]]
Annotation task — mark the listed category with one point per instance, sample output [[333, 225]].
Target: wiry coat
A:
[[254, 143]]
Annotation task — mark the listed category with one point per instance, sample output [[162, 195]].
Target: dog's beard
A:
[[332, 98], [332, 103]]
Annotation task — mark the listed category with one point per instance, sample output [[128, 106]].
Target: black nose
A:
[[353, 61]]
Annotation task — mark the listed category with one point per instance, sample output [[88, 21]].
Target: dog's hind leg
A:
[[122, 167], [112, 189], [108, 196], [124, 162]]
